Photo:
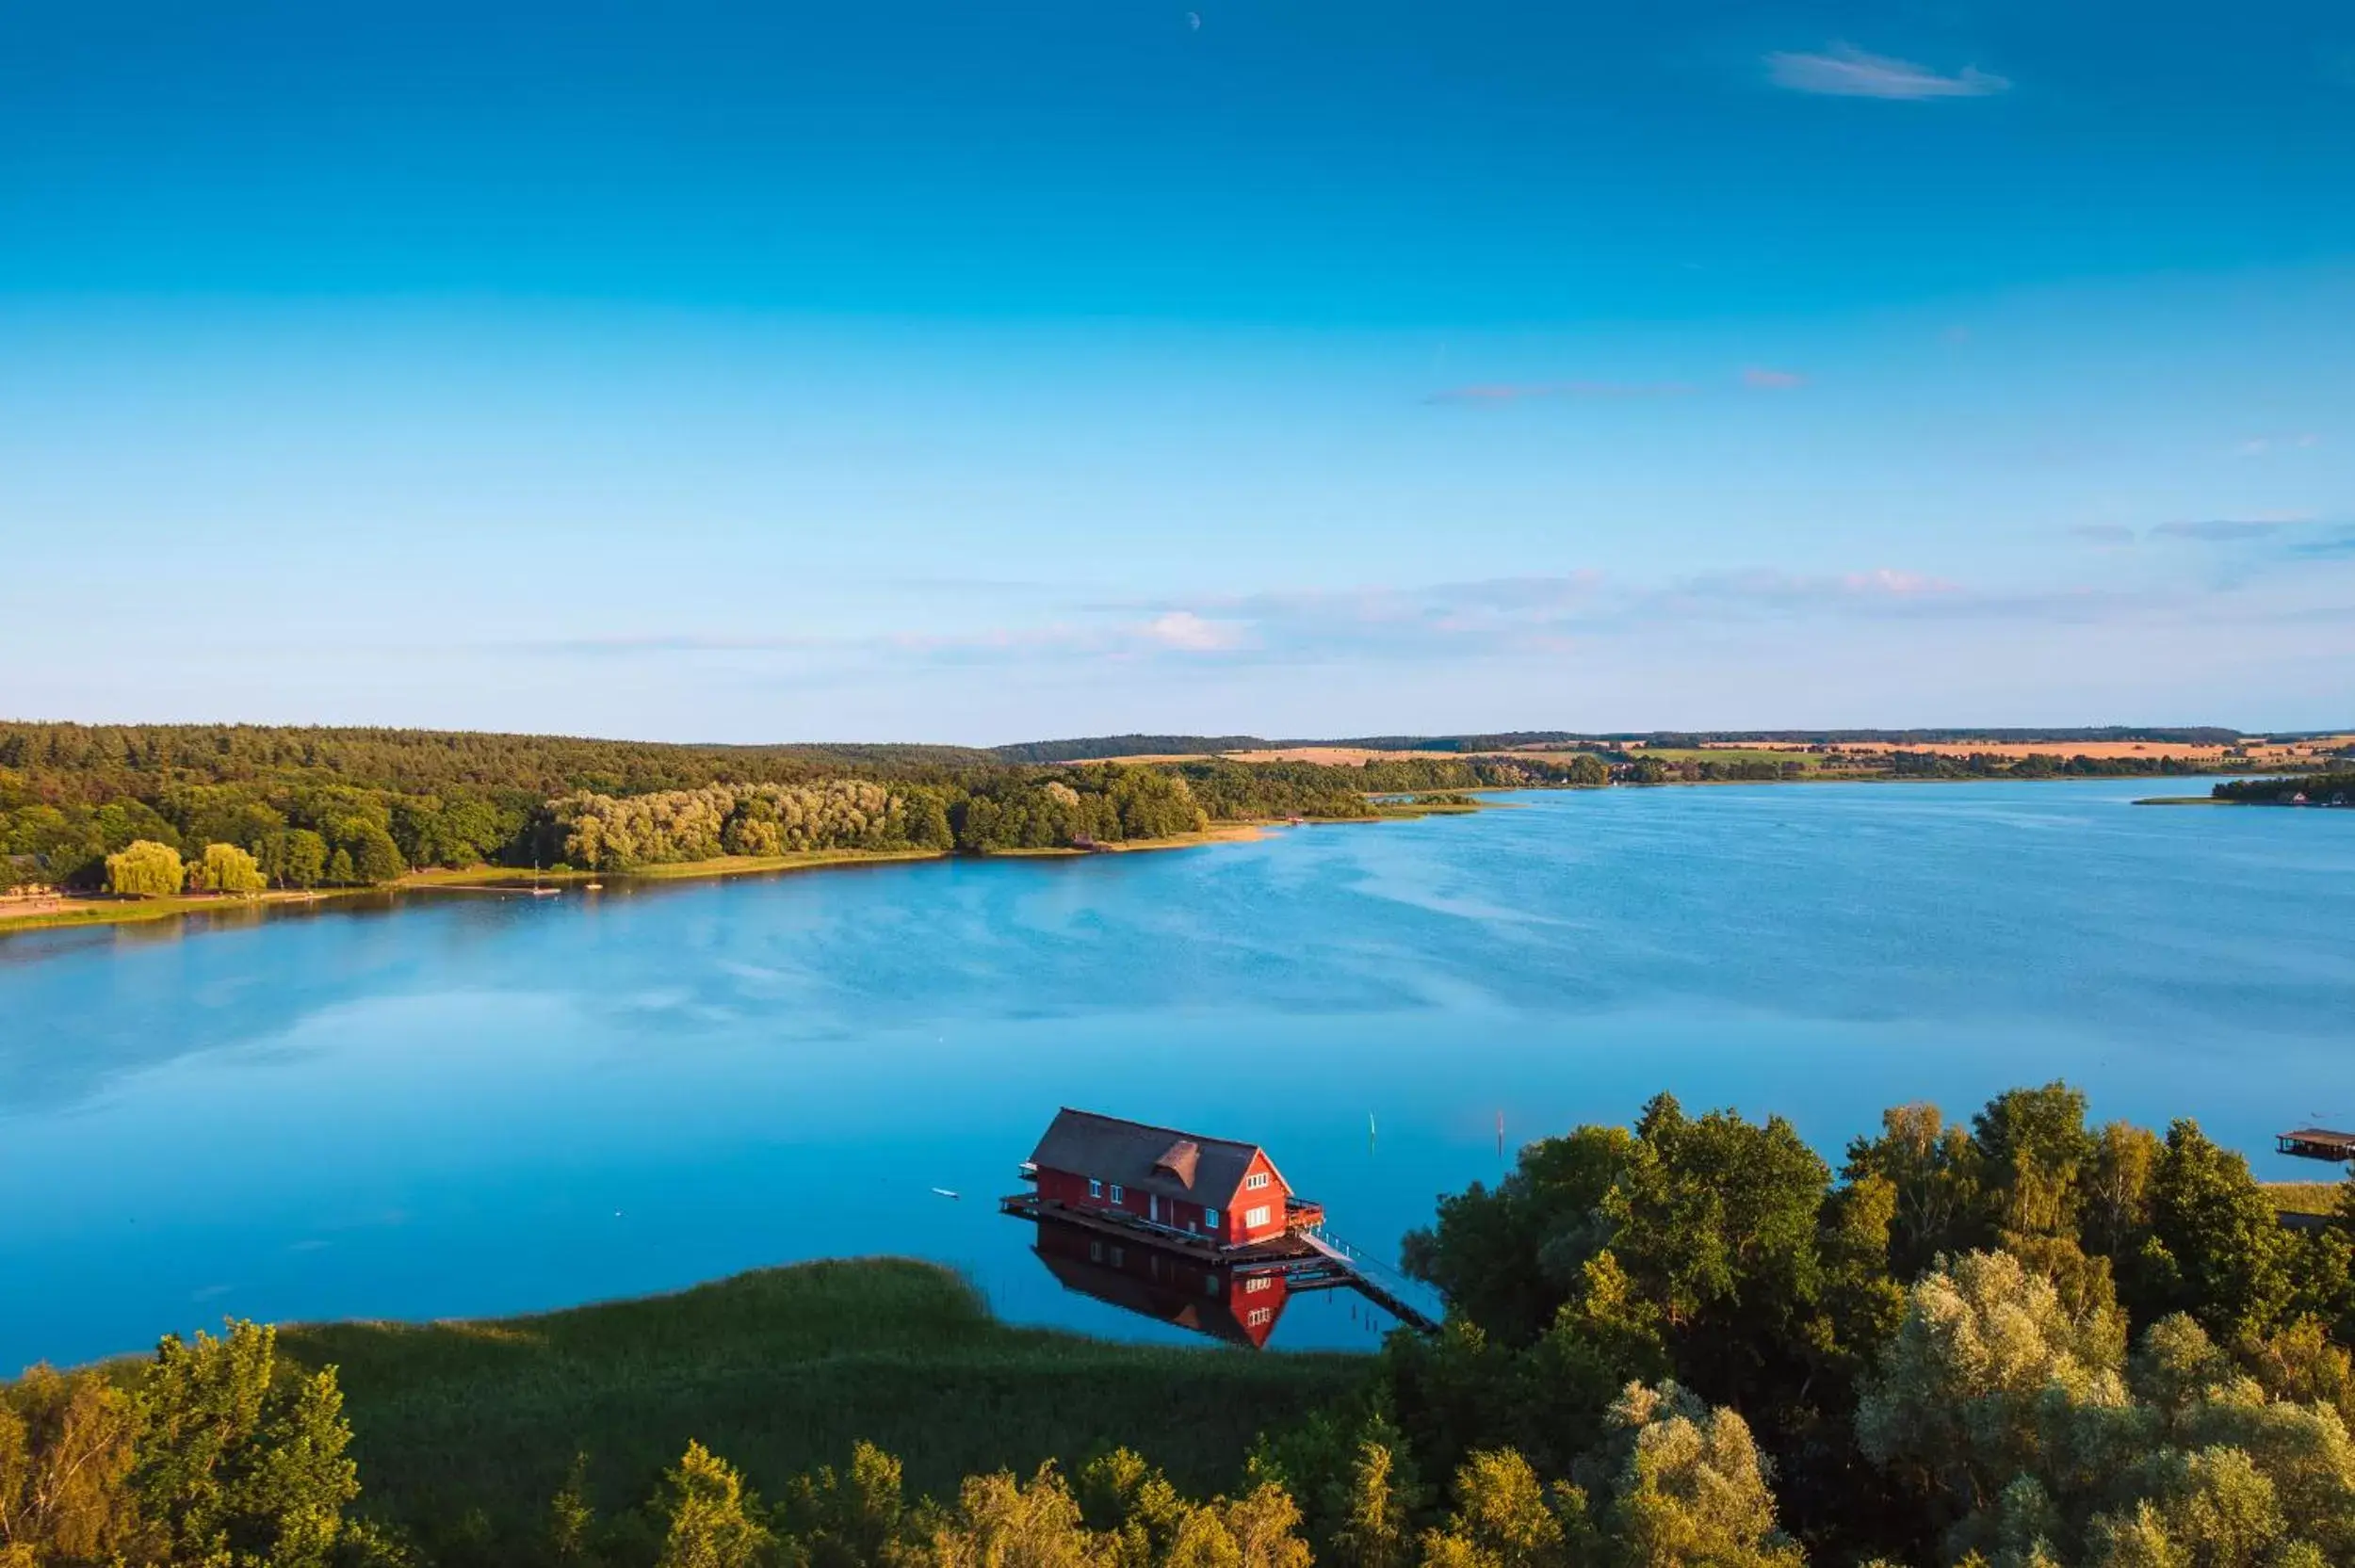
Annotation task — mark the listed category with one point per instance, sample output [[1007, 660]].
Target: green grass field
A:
[[780, 1370], [1732, 753], [2304, 1197]]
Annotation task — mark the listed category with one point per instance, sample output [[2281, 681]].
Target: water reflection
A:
[[1239, 1302], [1238, 1305]]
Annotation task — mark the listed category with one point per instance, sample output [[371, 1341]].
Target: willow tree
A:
[[226, 868], [144, 869]]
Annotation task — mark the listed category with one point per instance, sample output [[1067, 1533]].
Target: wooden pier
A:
[[2317, 1143]]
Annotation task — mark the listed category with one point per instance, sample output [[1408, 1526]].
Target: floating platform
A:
[[2317, 1143]]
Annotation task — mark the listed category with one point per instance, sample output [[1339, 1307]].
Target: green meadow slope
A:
[[781, 1370]]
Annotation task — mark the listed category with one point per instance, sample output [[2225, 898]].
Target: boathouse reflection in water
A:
[[1238, 1302]]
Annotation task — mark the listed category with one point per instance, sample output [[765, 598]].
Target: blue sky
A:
[[911, 370]]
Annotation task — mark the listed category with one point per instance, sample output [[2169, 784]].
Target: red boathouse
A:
[[1185, 1186]]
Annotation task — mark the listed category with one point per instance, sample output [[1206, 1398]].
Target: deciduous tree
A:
[[66, 1451], [711, 1520], [242, 1462], [226, 868], [1692, 1488], [145, 869]]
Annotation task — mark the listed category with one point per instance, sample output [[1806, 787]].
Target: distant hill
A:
[[1090, 747]]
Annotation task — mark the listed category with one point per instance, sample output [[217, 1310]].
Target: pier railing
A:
[[1409, 1301]]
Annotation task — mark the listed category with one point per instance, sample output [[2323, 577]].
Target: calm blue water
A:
[[470, 1105]]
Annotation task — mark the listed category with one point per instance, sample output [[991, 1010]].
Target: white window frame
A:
[[1254, 1218], [1209, 1219], [1096, 1188], [1118, 1198], [1256, 1180], [1260, 1316]]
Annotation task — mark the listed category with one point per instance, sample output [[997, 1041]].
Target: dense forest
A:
[[357, 807], [2334, 788], [2023, 1342]]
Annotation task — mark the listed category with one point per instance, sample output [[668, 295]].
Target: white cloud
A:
[[1846, 72], [1189, 632], [2258, 446]]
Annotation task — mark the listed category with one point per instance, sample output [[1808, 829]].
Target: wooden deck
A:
[[2316, 1144], [1307, 1258]]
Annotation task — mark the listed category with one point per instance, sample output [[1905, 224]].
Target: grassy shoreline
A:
[[107, 911], [2312, 1198], [781, 1369]]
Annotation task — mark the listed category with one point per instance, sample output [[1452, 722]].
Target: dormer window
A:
[[1177, 1161]]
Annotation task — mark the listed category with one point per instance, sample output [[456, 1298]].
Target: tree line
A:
[[1096, 747], [2026, 1343], [298, 833], [341, 808], [2315, 788], [317, 808], [2023, 1343]]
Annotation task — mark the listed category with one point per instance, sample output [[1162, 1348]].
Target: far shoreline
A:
[[101, 910]]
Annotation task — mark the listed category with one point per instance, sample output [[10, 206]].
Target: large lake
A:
[[470, 1104]]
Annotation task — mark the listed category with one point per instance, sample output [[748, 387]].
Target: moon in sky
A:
[[1194, 20]]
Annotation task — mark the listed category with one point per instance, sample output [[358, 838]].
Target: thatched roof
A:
[[1145, 1159]]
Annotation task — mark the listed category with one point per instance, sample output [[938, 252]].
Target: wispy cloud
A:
[[1496, 393], [1766, 379], [2225, 530], [626, 645], [2228, 571], [1769, 590], [2285, 540], [1846, 71], [2327, 543], [2266, 445], [1189, 632], [2234, 551]]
